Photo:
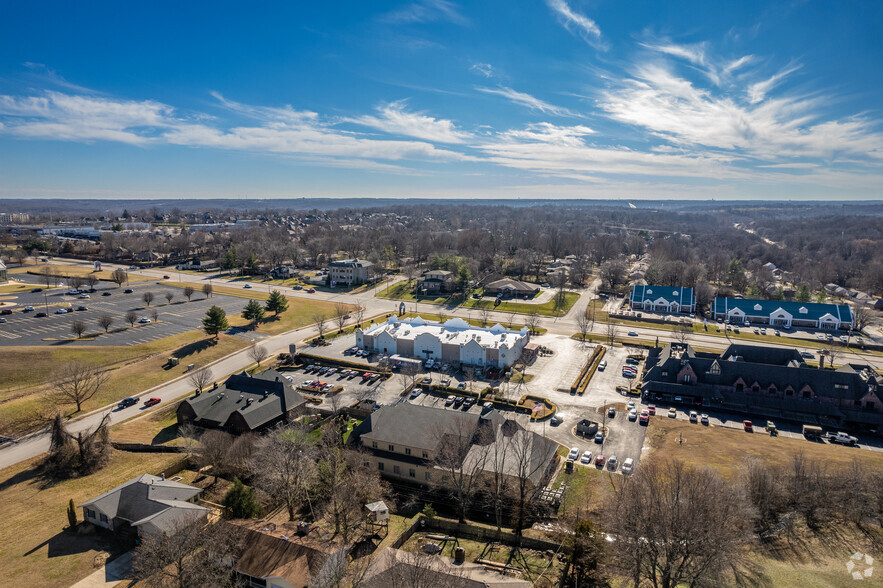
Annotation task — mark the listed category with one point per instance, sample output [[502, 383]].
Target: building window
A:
[[407, 451], [396, 469], [425, 455], [380, 465], [90, 513], [103, 518], [392, 447], [428, 476], [869, 405], [412, 473], [807, 394], [366, 463], [374, 444], [841, 386], [686, 378]]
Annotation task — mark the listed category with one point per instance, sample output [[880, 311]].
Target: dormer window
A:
[[802, 310], [715, 369], [757, 307]]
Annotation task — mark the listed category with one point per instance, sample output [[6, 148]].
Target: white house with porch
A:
[[663, 299]]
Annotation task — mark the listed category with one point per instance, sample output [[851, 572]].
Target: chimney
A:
[[277, 379]]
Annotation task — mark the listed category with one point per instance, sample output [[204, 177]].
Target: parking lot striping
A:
[[9, 335]]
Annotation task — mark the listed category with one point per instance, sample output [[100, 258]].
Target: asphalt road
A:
[[38, 443]]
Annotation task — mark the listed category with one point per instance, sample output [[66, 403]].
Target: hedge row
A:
[[584, 373], [597, 360]]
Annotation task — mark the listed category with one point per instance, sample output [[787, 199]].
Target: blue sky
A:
[[434, 98]]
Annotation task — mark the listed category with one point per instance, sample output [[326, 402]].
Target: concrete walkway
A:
[[110, 575]]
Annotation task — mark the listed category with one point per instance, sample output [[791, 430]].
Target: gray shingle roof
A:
[[259, 399], [148, 498]]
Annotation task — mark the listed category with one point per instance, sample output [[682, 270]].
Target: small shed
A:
[[378, 511]]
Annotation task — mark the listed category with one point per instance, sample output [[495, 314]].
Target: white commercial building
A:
[[455, 341]]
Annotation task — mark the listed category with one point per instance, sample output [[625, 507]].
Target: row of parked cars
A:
[[601, 461]]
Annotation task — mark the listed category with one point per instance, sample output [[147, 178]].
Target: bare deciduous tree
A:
[[78, 327], [584, 324], [105, 321], [169, 296], [78, 382], [682, 333], [208, 290], [212, 452], [258, 353], [345, 486], [695, 528], [201, 378], [131, 317], [462, 451], [319, 318], [360, 314], [532, 321], [610, 331], [484, 315], [341, 313], [193, 553], [119, 277], [284, 467], [188, 292], [147, 297]]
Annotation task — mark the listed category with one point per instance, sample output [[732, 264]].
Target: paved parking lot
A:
[[23, 328]]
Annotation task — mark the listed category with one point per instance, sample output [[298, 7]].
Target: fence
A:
[[484, 534], [145, 448]]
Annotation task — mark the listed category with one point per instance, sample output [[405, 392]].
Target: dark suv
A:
[[127, 402]]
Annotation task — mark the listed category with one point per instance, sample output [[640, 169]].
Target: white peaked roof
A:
[[453, 331]]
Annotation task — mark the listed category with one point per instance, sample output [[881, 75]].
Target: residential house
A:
[[455, 341], [244, 403], [289, 555], [145, 505], [404, 442], [783, 313], [394, 567], [284, 272], [437, 281], [665, 299], [351, 271], [768, 381], [508, 288]]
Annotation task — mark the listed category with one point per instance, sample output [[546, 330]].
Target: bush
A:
[[241, 502]]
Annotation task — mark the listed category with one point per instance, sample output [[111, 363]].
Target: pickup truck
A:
[[842, 439]]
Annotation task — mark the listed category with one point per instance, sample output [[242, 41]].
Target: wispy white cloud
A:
[[758, 91], [65, 117], [738, 63], [693, 53], [577, 23], [394, 119], [483, 69], [674, 109], [524, 99], [426, 11]]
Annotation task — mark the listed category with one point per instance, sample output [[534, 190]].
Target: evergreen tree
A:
[[803, 294], [215, 321], [253, 311], [241, 503], [463, 278], [72, 514], [230, 260], [277, 303], [251, 264]]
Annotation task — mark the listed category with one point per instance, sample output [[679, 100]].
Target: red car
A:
[[166, 277], [311, 290], [651, 409], [645, 417], [599, 461], [151, 402], [749, 428]]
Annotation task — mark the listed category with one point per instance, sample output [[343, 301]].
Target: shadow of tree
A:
[[194, 348]]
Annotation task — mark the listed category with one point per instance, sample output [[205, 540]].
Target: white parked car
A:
[[628, 466], [602, 365], [144, 320], [574, 453], [84, 296], [587, 457]]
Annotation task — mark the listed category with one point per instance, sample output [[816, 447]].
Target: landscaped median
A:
[[585, 375], [530, 403]]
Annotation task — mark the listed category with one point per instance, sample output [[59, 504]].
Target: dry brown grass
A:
[[725, 449], [34, 548]]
